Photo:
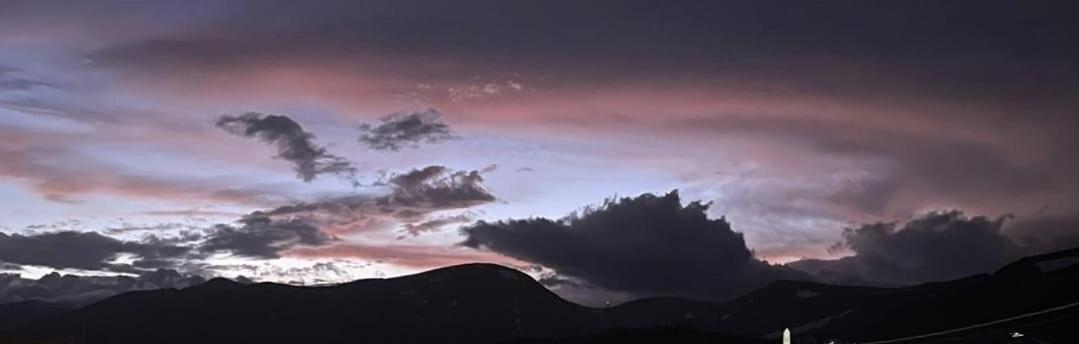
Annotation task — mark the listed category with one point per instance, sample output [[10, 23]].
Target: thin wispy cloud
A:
[[14, 79]]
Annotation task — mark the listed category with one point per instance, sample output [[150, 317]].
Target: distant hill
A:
[[864, 314], [466, 303], [478, 303], [816, 312]]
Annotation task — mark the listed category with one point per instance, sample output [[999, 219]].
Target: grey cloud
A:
[[294, 144], [405, 130], [436, 188], [647, 245], [81, 250], [937, 246], [260, 236]]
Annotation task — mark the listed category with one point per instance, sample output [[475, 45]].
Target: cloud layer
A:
[[259, 236]]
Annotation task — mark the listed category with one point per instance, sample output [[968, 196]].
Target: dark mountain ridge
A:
[[477, 303], [466, 303]]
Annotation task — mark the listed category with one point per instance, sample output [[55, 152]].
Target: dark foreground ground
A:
[[482, 303]]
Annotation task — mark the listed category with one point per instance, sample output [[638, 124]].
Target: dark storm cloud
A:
[[644, 245], [938, 246], [77, 290], [293, 143], [259, 236], [403, 130], [81, 250]]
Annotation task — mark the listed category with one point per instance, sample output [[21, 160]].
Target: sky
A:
[[609, 148]]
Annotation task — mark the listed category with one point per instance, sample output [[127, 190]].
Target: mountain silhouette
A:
[[484, 303]]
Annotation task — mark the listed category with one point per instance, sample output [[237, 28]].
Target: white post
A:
[[786, 336]]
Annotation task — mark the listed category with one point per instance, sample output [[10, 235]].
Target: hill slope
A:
[[490, 303], [467, 303]]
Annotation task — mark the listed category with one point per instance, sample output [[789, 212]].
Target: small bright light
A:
[[1016, 335]]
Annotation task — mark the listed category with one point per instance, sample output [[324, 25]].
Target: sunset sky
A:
[[293, 142]]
